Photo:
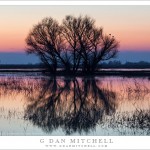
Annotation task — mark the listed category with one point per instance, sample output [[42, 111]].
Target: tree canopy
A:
[[75, 45]]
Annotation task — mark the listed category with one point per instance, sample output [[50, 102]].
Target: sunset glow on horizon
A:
[[129, 24]]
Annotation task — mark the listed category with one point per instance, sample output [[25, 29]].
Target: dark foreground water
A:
[[32, 104]]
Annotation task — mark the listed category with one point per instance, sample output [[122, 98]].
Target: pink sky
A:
[[129, 24]]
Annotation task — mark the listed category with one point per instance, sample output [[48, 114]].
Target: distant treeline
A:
[[21, 66], [118, 64], [110, 64]]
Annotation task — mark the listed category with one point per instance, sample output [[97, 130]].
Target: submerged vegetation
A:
[[131, 122]]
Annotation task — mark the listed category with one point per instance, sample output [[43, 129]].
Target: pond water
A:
[[33, 104]]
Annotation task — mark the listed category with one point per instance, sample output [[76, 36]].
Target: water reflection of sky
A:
[[38, 105]]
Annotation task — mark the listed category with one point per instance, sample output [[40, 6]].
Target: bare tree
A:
[[45, 40], [88, 43], [76, 44]]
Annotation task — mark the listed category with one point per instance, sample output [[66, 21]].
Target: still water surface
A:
[[33, 104]]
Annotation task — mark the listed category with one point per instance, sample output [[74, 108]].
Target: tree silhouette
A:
[[45, 40], [75, 45]]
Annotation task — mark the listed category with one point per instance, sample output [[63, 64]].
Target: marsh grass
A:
[[10, 114], [137, 122], [139, 119]]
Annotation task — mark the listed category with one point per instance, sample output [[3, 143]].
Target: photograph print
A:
[[75, 70]]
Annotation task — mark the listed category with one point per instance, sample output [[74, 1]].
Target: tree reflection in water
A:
[[74, 104], [115, 106]]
